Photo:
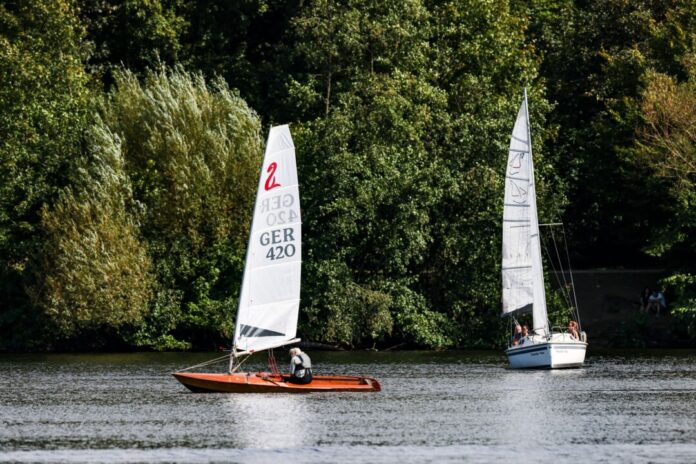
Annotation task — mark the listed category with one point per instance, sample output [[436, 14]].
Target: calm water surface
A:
[[434, 407]]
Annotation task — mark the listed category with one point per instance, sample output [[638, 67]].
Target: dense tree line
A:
[[131, 136]]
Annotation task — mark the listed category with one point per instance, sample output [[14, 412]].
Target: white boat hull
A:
[[558, 353]]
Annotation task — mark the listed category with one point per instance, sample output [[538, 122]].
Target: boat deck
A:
[[247, 382]]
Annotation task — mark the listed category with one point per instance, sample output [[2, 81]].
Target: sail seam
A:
[[526, 142]]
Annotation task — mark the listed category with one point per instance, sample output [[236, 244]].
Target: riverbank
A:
[[609, 301]]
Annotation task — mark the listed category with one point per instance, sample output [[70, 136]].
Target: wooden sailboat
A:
[[270, 297], [522, 268]]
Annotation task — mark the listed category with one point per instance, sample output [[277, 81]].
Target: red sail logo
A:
[[271, 180]]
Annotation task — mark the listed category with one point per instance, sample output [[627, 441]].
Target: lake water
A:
[[434, 407]]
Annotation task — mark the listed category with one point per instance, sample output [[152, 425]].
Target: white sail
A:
[[523, 274], [270, 295]]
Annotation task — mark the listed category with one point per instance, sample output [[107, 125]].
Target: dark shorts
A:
[[301, 380]]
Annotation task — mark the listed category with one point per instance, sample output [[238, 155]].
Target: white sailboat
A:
[[269, 300], [522, 268]]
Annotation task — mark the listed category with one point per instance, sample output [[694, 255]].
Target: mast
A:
[[522, 272], [539, 312], [233, 351]]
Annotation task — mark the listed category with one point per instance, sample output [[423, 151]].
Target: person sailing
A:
[[573, 330], [517, 334], [300, 367], [524, 334]]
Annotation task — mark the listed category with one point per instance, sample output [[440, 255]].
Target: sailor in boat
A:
[[525, 334], [573, 330], [517, 335], [300, 367]]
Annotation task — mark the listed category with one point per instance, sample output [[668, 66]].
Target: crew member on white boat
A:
[[525, 334], [573, 330], [516, 336], [300, 367]]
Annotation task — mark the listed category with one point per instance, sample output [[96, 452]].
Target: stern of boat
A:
[[559, 352]]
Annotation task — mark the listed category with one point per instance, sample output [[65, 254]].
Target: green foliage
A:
[[684, 310], [45, 99], [557, 307], [595, 57], [193, 153], [342, 41], [682, 287], [401, 112], [667, 144], [402, 165], [134, 33], [246, 43], [43, 105], [93, 271]]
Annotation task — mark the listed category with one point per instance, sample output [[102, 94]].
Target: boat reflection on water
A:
[[538, 404], [268, 420], [524, 407]]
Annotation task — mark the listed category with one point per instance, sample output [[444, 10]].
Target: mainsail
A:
[[523, 274], [270, 295]]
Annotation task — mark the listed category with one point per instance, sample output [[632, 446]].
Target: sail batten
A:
[[522, 271], [270, 297]]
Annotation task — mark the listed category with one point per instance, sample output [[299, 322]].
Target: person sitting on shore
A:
[[657, 302], [573, 330], [645, 299], [516, 336], [300, 367]]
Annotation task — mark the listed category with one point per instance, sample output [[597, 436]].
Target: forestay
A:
[[270, 296], [523, 276]]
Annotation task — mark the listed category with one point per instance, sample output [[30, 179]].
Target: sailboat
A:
[[522, 267], [270, 296]]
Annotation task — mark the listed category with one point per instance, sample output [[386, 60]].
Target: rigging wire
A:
[[206, 363], [239, 364], [272, 363], [555, 272], [560, 264], [572, 281], [567, 286]]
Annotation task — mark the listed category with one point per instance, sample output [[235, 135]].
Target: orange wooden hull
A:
[[244, 382]]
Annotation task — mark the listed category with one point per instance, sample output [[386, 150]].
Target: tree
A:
[[247, 43], [667, 145], [93, 272], [595, 57], [409, 109], [136, 34], [45, 101], [483, 62], [193, 153]]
